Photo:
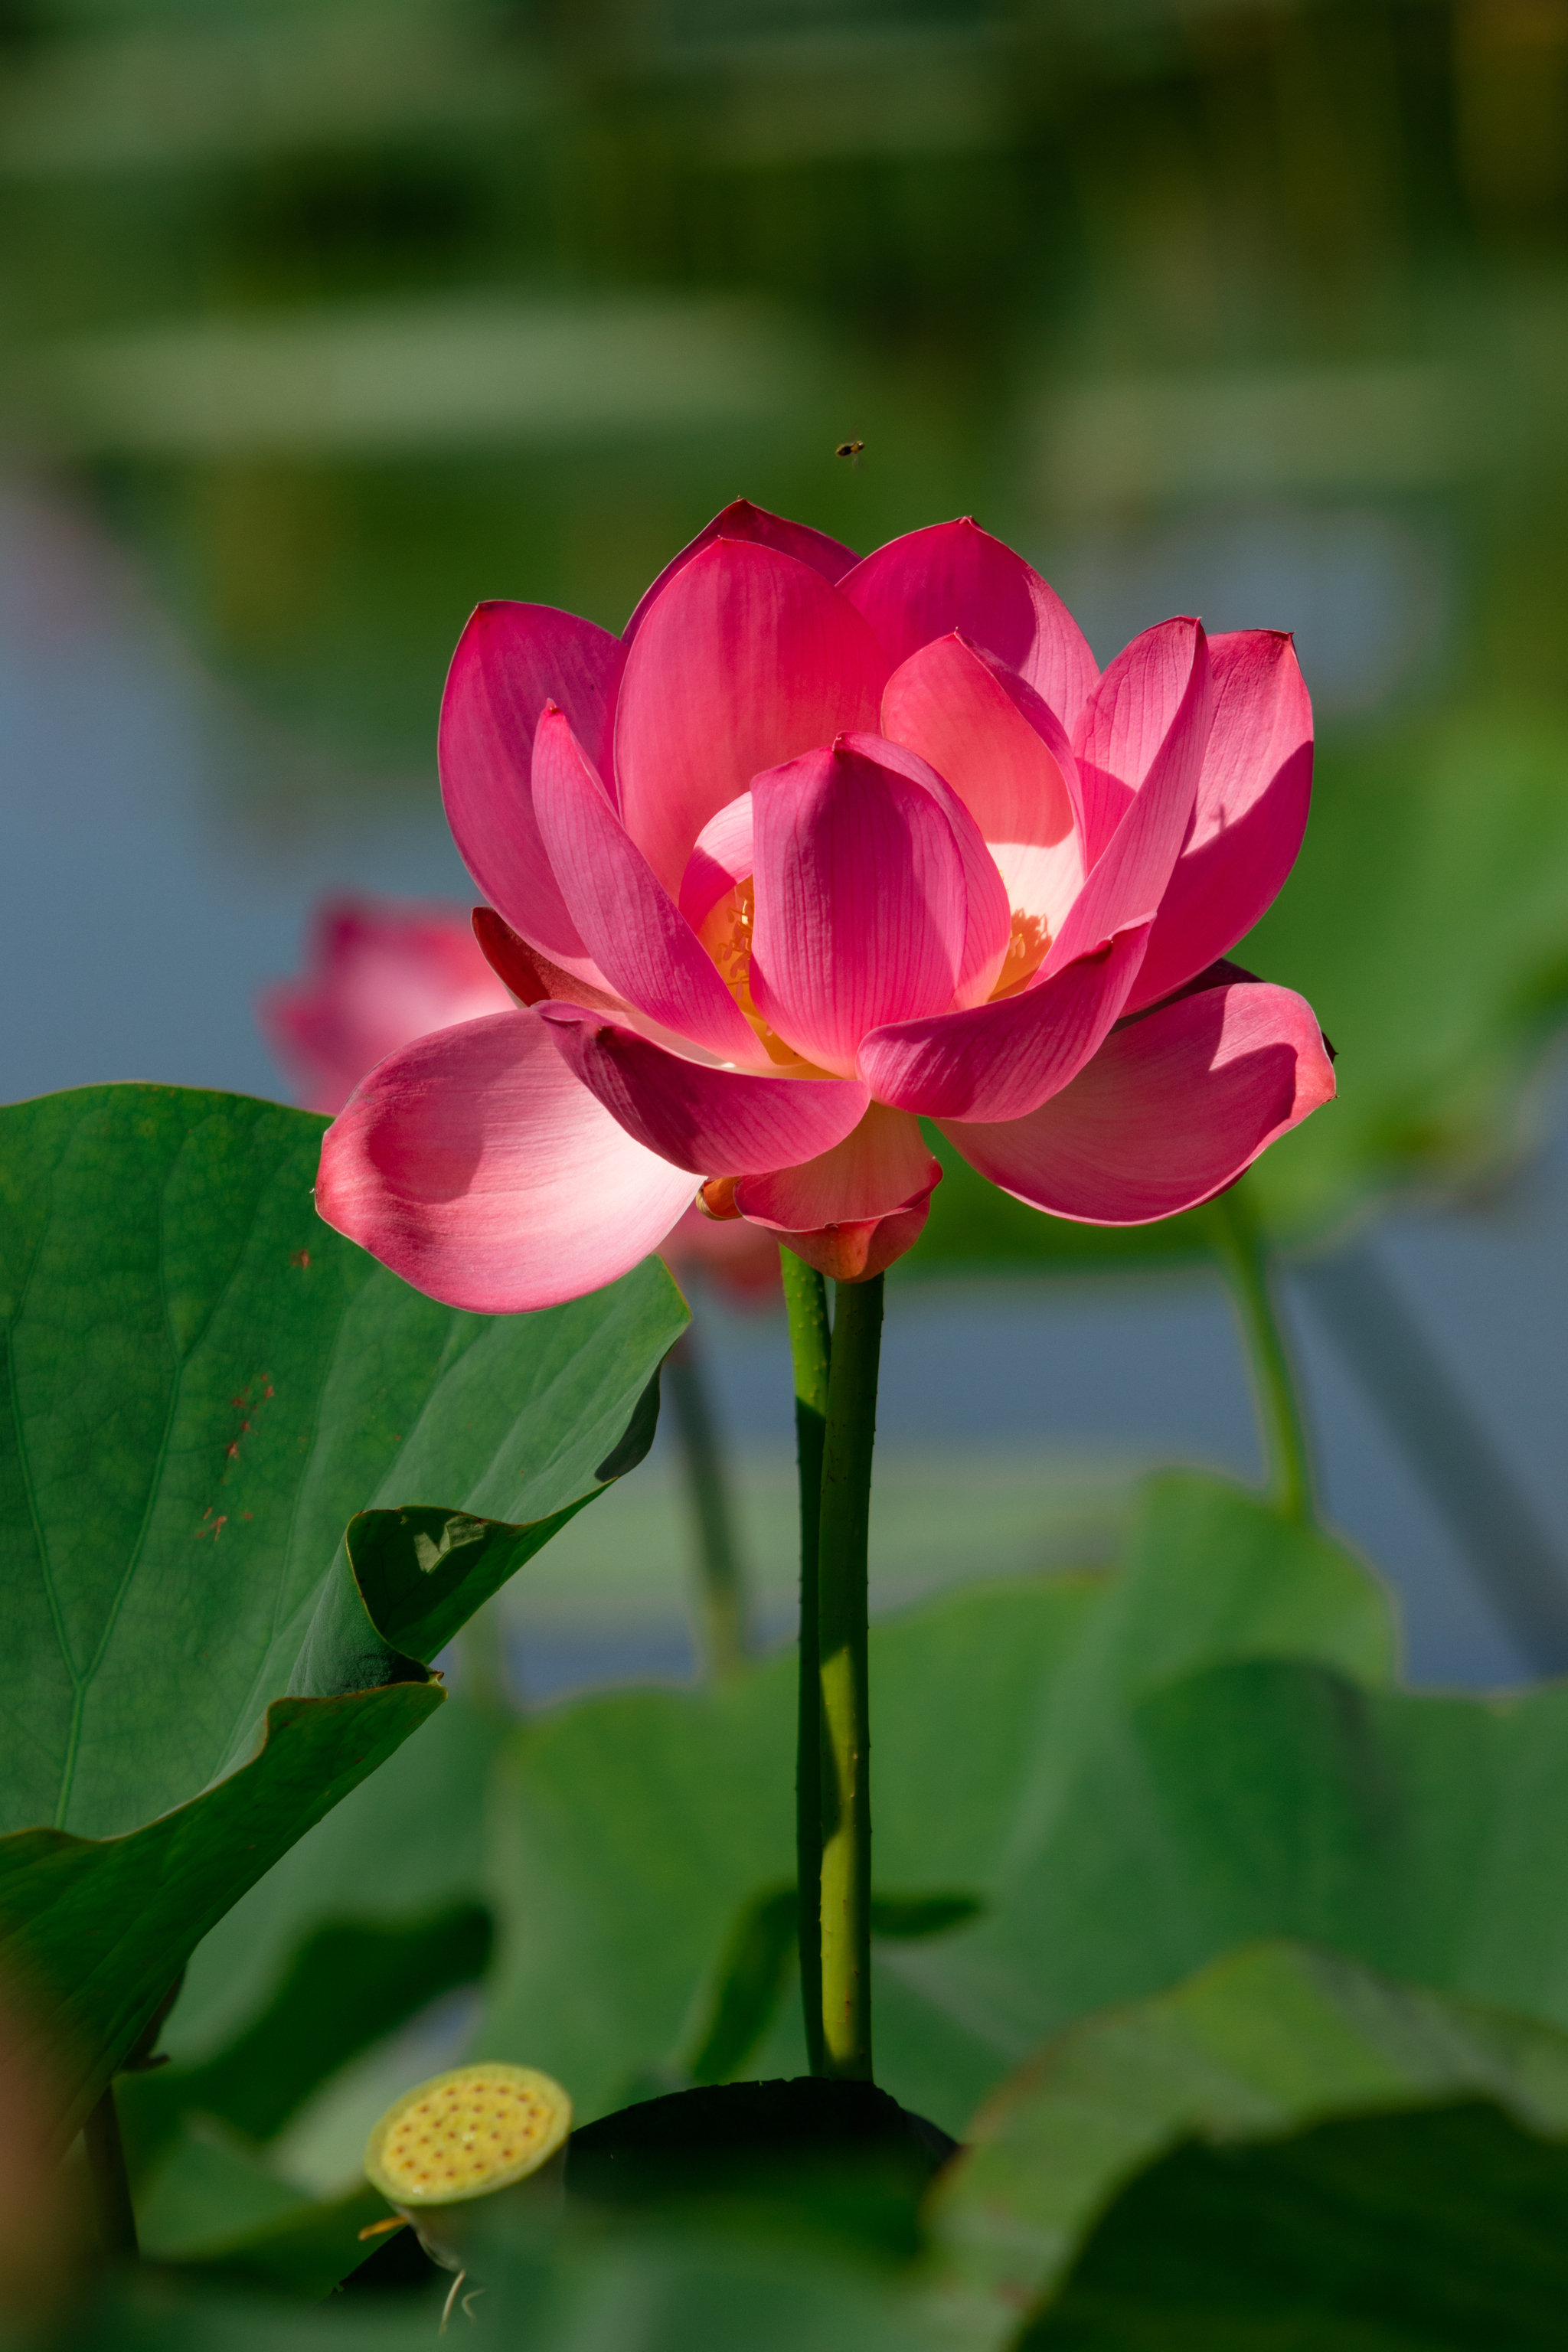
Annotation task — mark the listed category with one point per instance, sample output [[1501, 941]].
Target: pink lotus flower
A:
[[820, 847]]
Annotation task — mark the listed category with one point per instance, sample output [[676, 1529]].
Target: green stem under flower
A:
[[1238, 1242], [805, 1303], [720, 1581], [843, 1668]]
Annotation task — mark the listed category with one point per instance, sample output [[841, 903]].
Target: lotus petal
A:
[[475, 1165], [1176, 1103]]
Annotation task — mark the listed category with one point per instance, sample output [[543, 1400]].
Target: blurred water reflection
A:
[[349, 313], [332, 318], [1370, 594]]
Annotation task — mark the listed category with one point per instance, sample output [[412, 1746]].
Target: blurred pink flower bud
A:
[[381, 972]]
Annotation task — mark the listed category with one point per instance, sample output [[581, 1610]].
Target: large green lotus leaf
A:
[[1425, 923], [1260, 2044], [639, 1837], [1442, 2227], [95, 1931], [203, 1384], [1425, 1835]]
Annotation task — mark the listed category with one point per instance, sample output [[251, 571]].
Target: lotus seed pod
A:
[[463, 2135]]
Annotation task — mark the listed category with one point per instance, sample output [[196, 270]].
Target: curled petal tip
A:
[[716, 1199]]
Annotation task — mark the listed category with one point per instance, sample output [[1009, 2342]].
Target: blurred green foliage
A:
[[1438, 2228], [1143, 1774], [1442, 2226], [633, 1833]]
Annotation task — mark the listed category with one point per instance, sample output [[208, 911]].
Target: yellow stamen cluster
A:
[[726, 933], [1027, 951], [727, 936], [466, 2133]]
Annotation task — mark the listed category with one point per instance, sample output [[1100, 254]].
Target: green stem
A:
[[843, 1667], [720, 1581], [1240, 1246], [110, 2187], [805, 1303]]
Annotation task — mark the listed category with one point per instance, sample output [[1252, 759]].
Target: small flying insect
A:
[[853, 450]]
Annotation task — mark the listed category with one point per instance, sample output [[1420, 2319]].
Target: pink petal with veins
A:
[[510, 660], [988, 917], [528, 977], [1007, 754], [855, 1252], [742, 520], [720, 856], [956, 576], [718, 1122], [1152, 707], [884, 1165], [1253, 795], [1122, 728], [861, 910], [475, 1166], [637, 935], [1176, 1103], [1004, 1059], [745, 658]]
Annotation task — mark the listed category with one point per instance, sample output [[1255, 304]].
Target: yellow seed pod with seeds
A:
[[466, 2134]]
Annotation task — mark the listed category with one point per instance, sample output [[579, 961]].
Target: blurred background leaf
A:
[[1442, 2226], [1270, 1798], [634, 1834], [1447, 2226]]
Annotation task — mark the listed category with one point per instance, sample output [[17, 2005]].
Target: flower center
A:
[[1027, 951], [727, 936], [726, 933]]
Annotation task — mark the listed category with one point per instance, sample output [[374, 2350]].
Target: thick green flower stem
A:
[[805, 1303], [1239, 1244], [841, 1617], [105, 2171], [722, 1609]]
